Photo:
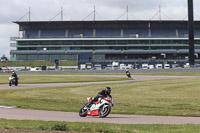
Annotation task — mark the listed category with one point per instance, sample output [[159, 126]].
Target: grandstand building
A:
[[129, 42]]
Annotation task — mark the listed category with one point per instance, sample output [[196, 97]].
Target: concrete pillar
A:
[[66, 33], [122, 33], [177, 33], [39, 33], [94, 33]]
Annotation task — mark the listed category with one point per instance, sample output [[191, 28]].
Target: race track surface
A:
[[25, 114]]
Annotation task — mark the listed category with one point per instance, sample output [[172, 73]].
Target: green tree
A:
[[4, 58]]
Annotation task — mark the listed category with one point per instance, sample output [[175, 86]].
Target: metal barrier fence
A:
[[108, 71]]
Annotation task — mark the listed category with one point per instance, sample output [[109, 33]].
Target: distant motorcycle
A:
[[128, 74], [100, 108], [13, 81]]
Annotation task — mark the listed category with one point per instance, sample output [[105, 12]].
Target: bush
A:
[[41, 127], [60, 127]]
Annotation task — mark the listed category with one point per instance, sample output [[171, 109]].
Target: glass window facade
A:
[[104, 39]]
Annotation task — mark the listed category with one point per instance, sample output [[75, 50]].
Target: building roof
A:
[[104, 24]]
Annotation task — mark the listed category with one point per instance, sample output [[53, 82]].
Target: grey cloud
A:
[[44, 10], [7, 31], [79, 9]]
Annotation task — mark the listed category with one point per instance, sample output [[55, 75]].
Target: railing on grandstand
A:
[[140, 60], [110, 33], [69, 37]]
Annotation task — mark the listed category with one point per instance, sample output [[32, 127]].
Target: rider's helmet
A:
[[107, 90]]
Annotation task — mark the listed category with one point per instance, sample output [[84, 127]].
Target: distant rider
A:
[[128, 74], [102, 94], [15, 76]]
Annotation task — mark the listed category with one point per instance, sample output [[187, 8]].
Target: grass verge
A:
[[33, 79], [98, 127], [174, 97], [154, 74], [37, 63]]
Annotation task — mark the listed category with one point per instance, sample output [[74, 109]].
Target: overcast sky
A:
[[45, 10]]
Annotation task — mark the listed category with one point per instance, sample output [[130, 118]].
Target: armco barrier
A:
[[111, 71]]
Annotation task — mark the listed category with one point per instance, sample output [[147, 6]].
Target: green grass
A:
[[37, 63], [150, 74], [174, 97], [171, 74], [154, 74], [99, 127], [32, 79]]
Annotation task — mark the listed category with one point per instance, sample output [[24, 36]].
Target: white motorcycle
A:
[[128, 74], [12, 81], [100, 108]]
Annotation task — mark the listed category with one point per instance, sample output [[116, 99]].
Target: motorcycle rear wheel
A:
[[83, 112], [104, 112]]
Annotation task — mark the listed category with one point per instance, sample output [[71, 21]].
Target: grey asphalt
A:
[[26, 114]]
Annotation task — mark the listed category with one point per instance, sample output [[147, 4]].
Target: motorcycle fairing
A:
[[94, 113], [107, 100]]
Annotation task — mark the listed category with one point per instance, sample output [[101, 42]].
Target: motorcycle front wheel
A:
[[10, 83], [83, 112], [104, 111]]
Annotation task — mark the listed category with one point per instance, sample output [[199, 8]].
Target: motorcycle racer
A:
[[99, 105], [15, 76], [128, 74], [102, 94]]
